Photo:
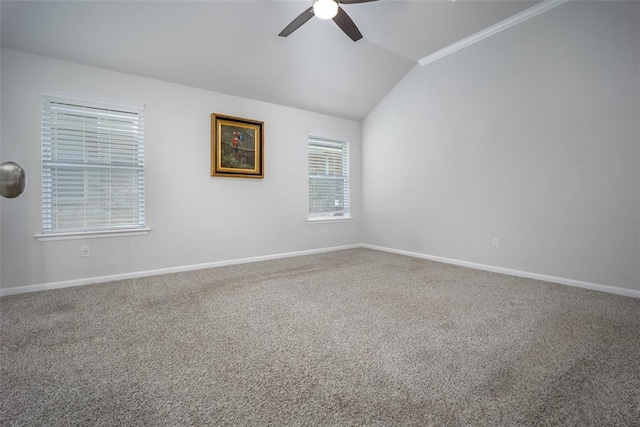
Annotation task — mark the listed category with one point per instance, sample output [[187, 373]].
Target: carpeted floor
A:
[[354, 337]]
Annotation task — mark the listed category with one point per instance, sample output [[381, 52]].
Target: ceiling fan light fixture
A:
[[325, 9]]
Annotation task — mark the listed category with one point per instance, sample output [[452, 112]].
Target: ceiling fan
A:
[[327, 9]]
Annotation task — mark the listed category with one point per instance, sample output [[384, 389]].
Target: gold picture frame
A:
[[237, 147]]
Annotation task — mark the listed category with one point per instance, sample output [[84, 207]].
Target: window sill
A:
[[48, 237], [324, 219]]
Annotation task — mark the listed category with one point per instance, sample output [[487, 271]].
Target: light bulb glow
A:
[[325, 9]]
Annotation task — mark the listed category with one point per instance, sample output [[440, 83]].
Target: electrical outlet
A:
[[495, 242], [84, 251]]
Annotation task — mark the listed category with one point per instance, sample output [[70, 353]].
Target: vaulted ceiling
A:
[[233, 46]]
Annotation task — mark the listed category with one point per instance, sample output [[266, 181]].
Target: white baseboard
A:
[[560, 280], [137, 274]]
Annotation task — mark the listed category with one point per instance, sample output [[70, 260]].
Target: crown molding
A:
[[493, 29]]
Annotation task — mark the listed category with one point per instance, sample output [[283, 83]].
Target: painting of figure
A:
[[236, 147]]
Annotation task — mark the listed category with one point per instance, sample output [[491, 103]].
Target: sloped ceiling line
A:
[[492, 30]]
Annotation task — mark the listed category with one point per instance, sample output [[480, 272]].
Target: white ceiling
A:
[[233, 46]]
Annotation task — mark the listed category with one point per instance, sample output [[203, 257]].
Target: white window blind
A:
[[92, 165], [328, 178]]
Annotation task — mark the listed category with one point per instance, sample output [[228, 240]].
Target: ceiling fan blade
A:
[[347, 25], [297, 23], [355, 1]]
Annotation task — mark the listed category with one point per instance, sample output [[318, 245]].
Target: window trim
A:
[[320, 220], [102, 231], [76, 235], [326, 218]]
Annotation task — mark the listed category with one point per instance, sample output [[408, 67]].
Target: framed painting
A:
[[237, 147]]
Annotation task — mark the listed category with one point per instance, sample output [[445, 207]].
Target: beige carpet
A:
[[355, 337]]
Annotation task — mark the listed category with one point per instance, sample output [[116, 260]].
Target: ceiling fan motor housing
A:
[[327, 9]]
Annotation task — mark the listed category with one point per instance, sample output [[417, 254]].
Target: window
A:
[[328, 178], [92, 166]]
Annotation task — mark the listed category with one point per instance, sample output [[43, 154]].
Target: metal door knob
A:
[[13, 180]]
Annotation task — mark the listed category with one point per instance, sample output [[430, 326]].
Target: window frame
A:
[[345, 213], [134, 144]]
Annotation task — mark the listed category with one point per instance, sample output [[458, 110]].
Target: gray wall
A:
[[195, 219], [531, 136]]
